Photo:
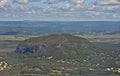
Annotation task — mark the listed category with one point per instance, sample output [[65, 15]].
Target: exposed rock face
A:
[[34, 48], [4, 66]]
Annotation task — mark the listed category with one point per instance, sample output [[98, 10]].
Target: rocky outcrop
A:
[[34, 48], [4, 66]]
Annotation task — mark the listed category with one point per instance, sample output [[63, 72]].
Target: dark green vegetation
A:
[[65, 55]]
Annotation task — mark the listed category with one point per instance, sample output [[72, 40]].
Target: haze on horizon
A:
[[60, 10]]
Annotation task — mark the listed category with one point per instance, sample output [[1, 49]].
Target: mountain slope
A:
[[59, 46]]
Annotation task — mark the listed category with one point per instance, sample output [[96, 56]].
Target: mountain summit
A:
[[57, 45]]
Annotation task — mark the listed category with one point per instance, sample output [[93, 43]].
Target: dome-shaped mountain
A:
[[57, 45]]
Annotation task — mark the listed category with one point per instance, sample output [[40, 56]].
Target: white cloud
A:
[[22, 1], [112, 8], [4, 3], [30, 12], [116, 15], [107, 2], [67, 6], [77, 1], [60, 8], [25, 1], [35, 0], [91, 7], [97, 13], [53, 1]]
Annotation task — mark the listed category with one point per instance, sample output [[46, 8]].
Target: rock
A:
[[34, 48], [4, 66]]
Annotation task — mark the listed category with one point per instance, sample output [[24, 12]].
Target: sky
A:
[[60, 10]]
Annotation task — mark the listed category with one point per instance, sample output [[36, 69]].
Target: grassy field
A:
[[8, 43], [103, 38], [94, 38], [12, 37]]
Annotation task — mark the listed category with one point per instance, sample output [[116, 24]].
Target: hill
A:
[[58, 46]]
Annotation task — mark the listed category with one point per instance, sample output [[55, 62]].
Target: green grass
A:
[[103, 38]]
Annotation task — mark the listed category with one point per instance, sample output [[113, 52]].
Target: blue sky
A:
[[60, 10]]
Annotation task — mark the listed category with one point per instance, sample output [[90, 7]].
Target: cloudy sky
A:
[[60, 10]]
